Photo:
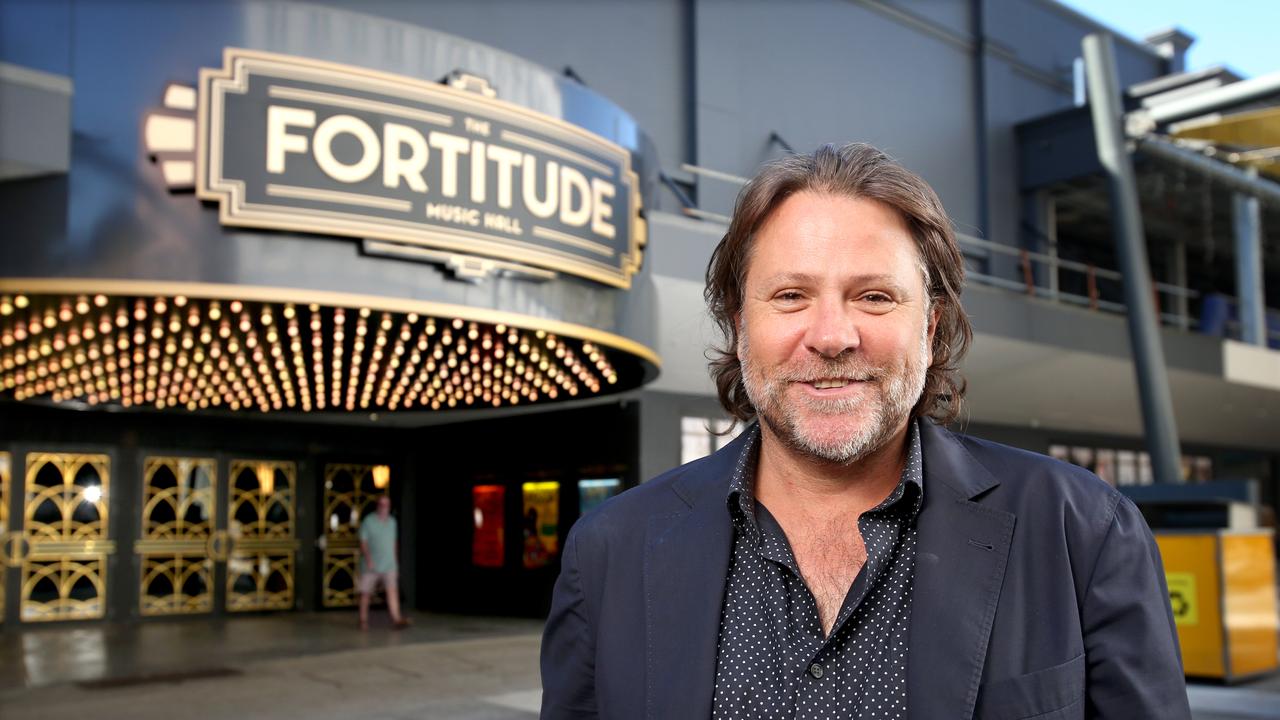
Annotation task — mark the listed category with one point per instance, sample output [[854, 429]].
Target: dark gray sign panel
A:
[[296, 144]]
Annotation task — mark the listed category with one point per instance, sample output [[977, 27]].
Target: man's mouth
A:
[[831, 383]]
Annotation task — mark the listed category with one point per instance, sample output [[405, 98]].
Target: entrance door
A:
[[64, 543], [7, 540], [350, 494], [180, 540], [262, 530]]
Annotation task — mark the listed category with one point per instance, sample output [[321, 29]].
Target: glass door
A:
[[262, 535], [64, 543], [6, 538], [350, 494], [180, 541]]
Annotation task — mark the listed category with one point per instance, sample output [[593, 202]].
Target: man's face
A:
[[384, 506], [835, 330]]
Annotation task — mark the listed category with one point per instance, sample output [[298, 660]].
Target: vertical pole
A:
[[1144, 334], [1248, 230], [978, 24], [1051, 217], [1178, 276]]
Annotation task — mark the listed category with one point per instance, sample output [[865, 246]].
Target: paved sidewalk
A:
[[319, 666], [429, 676]]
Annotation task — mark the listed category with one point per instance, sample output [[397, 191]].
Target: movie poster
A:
[[541, 522], [486, 543], [595, 491]]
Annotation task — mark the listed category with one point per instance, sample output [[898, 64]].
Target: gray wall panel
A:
[[635, 53], [820, 72], [1012, 98], [951, 15], [660, 415], [1047, 36]]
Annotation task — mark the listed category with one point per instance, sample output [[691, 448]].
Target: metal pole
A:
[[1234, 179], [1248, 230], [1052, 217], [1144, 334]]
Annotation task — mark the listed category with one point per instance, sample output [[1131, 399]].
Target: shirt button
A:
[[816, 671]]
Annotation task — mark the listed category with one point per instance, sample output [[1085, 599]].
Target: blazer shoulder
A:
[[1033, 479]]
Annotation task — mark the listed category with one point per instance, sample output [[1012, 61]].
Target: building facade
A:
[[265, 261]]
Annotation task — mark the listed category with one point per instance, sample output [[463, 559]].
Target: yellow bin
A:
[[1222, 588]]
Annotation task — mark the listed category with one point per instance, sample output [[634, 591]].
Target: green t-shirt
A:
[[380, 537]]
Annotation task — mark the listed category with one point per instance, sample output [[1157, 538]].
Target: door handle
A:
[[219, 545], [14, 548]]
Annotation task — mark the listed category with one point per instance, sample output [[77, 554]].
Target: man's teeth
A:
[[824, 384]]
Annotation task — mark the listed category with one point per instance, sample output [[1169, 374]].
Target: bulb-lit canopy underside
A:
[[206, 353]]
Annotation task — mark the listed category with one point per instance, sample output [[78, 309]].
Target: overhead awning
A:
[[132, 344], [1251, 138]]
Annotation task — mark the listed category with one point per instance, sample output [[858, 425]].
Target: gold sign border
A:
[[239, 63]]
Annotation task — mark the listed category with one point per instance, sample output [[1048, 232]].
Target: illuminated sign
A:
[[487, 509], [290, 143], [541, 522]]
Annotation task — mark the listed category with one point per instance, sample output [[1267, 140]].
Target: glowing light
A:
[[178, 352]]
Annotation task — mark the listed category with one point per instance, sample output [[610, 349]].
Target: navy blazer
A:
[[1038, 592]]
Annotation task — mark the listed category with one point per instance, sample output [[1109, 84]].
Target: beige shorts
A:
[[369, 581]]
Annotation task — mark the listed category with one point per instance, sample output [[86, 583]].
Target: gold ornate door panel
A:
[[350, 493], [179, 541], [6, 535], [66, 531], [262, 534]]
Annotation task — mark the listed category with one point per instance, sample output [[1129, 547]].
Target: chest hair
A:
[[830, 554]]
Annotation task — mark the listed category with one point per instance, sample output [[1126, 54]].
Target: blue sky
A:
[[1240, 34]]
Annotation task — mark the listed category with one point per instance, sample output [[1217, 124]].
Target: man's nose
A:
[[833, 328]]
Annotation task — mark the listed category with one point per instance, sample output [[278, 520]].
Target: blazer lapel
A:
[[686, 565], [961, 556]]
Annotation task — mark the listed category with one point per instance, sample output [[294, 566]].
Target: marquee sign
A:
[[296, 144]]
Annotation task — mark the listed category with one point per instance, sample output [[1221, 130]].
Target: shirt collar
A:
[[741, 498]]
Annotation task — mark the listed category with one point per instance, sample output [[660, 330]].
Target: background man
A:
[[847, 556], [380, 562]]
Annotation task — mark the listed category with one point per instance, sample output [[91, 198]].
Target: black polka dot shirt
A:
[[773, 661]]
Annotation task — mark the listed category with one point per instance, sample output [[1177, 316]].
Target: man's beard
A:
[[890, 393]]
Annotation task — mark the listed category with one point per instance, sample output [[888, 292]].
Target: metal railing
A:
[[1028, 259], [1171, 300]]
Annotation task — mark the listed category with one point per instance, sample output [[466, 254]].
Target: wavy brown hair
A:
[[856, 170]]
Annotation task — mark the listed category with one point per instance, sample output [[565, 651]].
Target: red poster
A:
[[486, 544]]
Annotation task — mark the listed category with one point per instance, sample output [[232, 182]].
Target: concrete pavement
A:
[[319, 666]]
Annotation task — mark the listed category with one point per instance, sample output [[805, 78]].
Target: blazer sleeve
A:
[[568, 645], [1131, 643]]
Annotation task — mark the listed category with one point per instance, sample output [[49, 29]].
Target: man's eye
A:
[[877, 298], [789, 296]]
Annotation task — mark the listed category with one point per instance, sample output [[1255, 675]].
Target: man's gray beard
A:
[[896, 393]]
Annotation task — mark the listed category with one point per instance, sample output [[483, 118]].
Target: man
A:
[[847, 556], [380, 562]]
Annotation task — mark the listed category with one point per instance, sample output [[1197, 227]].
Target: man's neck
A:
[[790, 480]]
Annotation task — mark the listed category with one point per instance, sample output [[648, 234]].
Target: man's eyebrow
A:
[[798, 278]]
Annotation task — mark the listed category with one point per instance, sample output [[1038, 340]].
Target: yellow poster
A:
[[541, 522], [1182, 597]]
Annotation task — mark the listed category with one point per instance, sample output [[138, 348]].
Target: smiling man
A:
[[847, 556]]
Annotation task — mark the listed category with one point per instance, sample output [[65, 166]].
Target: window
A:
[[699, 436], [1129, 467]]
